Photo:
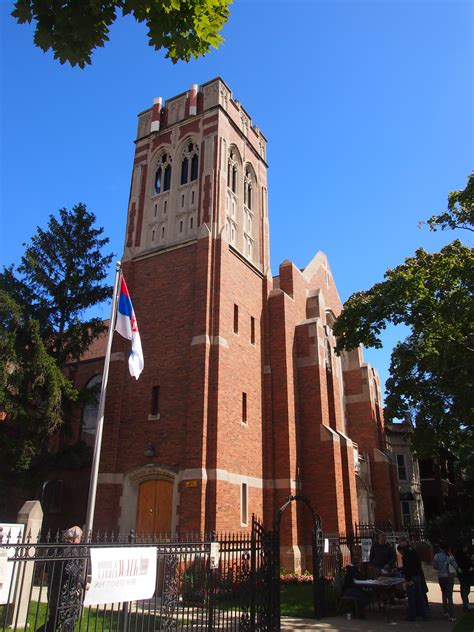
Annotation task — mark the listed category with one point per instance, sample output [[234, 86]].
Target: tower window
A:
[[184, 171], [165, 206], [153, 235], [182, 200], [194, 167], [156, 210], [163, 173], [244, 408], [191, 223], [181, 226], [162, 232], [244, 505], [190, 155], [192, 197], [236, 319], [167, 178], [248, 189], [158, 180], [252, 330], [155, 400]]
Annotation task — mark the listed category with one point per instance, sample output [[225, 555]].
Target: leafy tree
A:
[[460, 211], [42, 308], [184, 28], [431, 371]]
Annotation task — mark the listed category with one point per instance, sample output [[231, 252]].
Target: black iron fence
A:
[[47, 584], [43, 584]]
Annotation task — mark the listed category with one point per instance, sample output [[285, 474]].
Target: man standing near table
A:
[[382, 555], [415, 581]]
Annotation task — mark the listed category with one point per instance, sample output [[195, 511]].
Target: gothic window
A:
[[190, 158], [184, 170], [248, 184], [232, 172], [167, 178], [158, 180], [163, 174]]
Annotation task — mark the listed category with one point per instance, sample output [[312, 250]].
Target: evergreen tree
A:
[[44, 307]]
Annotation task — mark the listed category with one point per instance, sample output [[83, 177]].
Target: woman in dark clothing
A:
[[349, 588], [415, 579], [465, 573]]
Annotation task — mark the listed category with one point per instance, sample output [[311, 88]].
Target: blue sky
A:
[[367, 107]]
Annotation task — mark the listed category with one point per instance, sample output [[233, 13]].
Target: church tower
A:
[[185, 443]]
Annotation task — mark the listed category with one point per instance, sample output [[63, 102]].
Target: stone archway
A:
[[136, 480]]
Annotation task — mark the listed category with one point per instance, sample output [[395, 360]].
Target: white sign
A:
[[9, 534], [366, 545], [326, 545], [214, 555], [121, 574]]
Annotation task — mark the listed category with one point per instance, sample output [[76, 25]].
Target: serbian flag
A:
[[127, 327]]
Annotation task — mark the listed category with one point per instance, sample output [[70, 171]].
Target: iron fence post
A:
[[253, 576]]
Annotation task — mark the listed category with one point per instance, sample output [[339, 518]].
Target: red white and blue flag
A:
[[127, 327]]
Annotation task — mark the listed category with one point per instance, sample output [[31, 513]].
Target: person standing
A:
[[446, 566], [65, 586], [465, 573], [382, 555], [415, 581]]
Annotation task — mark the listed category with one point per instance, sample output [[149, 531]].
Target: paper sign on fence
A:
[[121, 574], [9, 534], [366, 545]]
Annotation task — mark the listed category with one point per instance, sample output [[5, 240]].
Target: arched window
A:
[[91, 409], [248, 186], [190, 157], [163, 174], [184, 170], [232, 172]]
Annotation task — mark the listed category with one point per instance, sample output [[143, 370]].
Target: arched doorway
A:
[[154, 508]]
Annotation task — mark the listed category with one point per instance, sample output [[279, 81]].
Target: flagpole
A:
[[100, 412]]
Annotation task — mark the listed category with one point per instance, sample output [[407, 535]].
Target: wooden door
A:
[[155, 503]]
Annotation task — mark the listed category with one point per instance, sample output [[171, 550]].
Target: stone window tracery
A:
[[163, 172], [232, 197], [190, 163]]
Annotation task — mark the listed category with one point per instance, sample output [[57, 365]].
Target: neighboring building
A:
[[408, 473], [242, 401]]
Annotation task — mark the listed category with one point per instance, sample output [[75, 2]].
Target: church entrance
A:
[[154, 509]]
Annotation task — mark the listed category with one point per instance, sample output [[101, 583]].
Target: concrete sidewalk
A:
[[376, 622]]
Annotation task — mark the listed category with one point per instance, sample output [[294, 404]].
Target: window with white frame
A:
[[249, 185]]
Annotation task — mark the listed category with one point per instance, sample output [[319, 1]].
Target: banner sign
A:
[[10, 534], [121, 574], [214, 555], [366, 545]]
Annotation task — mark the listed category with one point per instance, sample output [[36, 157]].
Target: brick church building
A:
[[242, 401]]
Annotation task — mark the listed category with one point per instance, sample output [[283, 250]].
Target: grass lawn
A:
[[297, 600], [93, 619], [466, 624]]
